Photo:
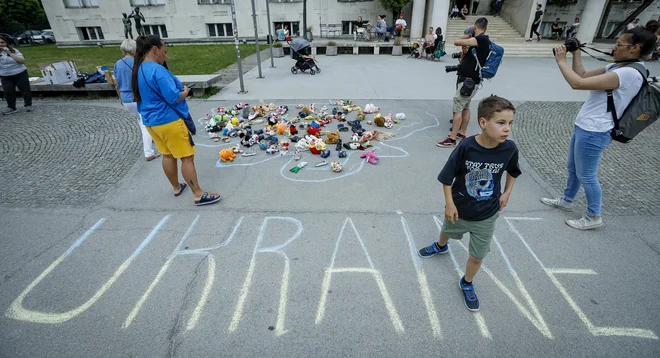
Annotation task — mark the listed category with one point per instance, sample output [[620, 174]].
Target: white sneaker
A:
[[585, 223], [558, 203]]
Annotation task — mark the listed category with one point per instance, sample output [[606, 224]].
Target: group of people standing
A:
[[157, 99]]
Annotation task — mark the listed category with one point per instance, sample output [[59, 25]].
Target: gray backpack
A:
[[643, 110]]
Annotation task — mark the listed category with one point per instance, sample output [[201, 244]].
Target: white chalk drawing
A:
[[389, 304], [553, 272], [525, 306]]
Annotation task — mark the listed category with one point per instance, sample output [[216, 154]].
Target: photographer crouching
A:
[[467, 80], [594, 122]]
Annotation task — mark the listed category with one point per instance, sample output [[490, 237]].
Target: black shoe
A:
[[339, 143]]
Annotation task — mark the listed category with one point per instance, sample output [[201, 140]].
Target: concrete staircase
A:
[[503, 34]]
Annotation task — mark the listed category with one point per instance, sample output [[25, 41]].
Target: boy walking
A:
[[471, 180]]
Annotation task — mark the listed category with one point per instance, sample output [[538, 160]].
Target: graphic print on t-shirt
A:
[[479, 181]]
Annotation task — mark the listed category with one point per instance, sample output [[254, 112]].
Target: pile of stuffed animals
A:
[[308, 130]]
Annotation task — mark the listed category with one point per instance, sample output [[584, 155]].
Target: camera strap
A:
[[582, 48]]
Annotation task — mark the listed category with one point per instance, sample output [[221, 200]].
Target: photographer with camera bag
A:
[[622, 80], [467, 80]]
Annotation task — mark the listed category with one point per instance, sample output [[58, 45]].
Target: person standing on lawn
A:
[[13, 73], [161, 100], [123, 71]]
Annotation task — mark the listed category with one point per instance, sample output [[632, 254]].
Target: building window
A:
[[210, 2], [285, 0], [294, 27], [148, 2], [91, 33], [81, 3], [220, 30], [158, 30]]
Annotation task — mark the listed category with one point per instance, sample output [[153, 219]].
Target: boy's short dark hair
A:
[[481, 23], [492, 104]]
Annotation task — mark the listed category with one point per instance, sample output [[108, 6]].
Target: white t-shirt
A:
[[9, 66], [401, 22], [593, 116]]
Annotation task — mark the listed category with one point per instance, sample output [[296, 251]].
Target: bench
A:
[[334, 29], [202, 82]]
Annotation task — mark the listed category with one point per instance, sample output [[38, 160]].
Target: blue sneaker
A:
[[471, 300], [432, 250]]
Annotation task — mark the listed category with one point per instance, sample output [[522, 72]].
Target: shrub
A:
[[277, 44], [332, 43]]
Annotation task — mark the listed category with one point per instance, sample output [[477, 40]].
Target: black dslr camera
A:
[[572, 44], [452, 68], [456, 55]]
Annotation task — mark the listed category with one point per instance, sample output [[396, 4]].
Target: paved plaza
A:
[[99, 259]]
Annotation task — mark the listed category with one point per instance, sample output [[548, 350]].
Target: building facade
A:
[[91, 22]]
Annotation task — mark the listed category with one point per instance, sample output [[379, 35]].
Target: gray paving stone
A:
[[628, 173], [65, 155]]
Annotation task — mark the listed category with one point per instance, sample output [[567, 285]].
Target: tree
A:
[[24, 12], [394, 6]]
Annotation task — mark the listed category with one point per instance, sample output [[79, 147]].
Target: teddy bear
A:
[[313, 131], [361, 116], [281, 128], [379, 120], [227, 155], [336, 167], [332, 137]]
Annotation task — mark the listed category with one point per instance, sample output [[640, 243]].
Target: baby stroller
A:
[[299, 49], [415, 48]]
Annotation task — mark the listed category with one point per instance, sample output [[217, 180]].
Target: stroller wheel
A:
[[312, 72], [318, 69], [294, 70]]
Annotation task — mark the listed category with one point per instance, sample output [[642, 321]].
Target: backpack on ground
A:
[[495, 54], [643, 110]]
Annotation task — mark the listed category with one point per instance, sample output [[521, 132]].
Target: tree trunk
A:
[[630, 18]]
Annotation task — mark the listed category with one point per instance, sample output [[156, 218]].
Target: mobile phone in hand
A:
[[191, 85]]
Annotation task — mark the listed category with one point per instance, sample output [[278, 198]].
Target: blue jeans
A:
[[584, 154]]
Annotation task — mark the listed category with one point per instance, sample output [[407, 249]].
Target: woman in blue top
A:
[[280, 33], [123, 71], [161, 100]]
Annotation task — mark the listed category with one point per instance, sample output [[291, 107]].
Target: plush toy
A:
[[355, 137], [294, 120], [234, 121], [371, 157], [272, 149], [282, 109], [341, 153], [361, 116], [332, 137], [306, 110], [284, 145], [336, 167], [388, 121], [370, 109], [281, 128], [400, 116], [325, 154], [227, 155], [292, 130], [270, 131], [236, 149], [302, 144], [298, 167], [299, 106], [271, 120], [263, 145], [379, 120], [313, 131], [312, 107]]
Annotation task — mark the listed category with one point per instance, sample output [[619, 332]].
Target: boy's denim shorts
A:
[[481, 233]]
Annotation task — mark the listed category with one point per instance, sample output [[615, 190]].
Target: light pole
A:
[[270, 35], [238, 47], [256, 38]]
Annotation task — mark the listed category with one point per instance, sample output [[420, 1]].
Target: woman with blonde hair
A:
[[123, 71]]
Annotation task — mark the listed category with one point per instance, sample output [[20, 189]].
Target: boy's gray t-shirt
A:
[[475, 176]]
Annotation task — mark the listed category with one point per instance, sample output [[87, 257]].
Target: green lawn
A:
[[182, 60]]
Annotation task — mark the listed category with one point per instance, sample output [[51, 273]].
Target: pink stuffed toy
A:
[[372, 158]]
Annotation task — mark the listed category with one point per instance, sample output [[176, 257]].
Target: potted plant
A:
[[331, 50], [310, 37], [397, 50], [278, 51]]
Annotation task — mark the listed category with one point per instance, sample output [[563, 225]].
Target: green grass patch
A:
[[181, 59]]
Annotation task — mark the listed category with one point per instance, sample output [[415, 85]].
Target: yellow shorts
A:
[[173, 139]]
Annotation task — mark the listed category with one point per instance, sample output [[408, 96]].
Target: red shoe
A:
[[459, 136], [447, 143]]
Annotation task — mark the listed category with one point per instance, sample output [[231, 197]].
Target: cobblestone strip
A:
[[628, 173], [65, 154]]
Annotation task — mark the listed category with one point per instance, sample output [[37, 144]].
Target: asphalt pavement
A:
[[317, 263]]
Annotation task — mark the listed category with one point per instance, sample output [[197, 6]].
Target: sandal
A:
[[320, 164], [183, 188], [152, 157], [207, 199]]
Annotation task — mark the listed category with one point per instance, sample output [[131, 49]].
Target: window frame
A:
[[216, 27], [81, 4]]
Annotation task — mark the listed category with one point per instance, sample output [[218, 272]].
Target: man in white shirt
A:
[[632, 24], [400, 25]]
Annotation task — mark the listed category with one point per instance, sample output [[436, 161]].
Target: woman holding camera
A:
[[594, 122], [13, 73]]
